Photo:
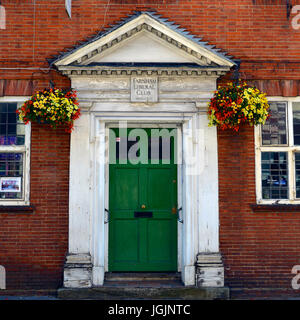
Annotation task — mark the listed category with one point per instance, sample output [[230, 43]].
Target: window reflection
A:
[[274, 131], [12, 131], [297, 169], [274, 175], [296, 122]]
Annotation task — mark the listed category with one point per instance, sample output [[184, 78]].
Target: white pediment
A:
[[143, 39], [142, 48]]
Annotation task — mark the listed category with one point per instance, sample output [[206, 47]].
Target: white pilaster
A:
[[79, 205], [208, 190], [78, 266], [210, 269], [190, 205], [99, 226]]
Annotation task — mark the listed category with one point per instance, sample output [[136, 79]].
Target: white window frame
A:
[[289, 148], [25, 149]]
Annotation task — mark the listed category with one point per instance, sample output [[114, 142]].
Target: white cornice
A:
[[141, 71]]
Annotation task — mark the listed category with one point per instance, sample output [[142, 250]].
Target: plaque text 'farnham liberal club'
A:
[[144, 89]]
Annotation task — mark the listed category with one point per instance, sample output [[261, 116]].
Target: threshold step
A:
[[144, 284], [142, 276]]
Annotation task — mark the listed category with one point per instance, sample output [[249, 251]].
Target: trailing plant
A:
[[53, 106], [236, 104]]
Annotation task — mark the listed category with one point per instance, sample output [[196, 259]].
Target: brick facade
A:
[[259, 247], [33, 245]]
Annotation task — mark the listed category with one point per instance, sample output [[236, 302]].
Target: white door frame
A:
[[186, 251]]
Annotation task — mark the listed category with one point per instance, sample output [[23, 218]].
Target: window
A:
[[14, 156], [278, 153]]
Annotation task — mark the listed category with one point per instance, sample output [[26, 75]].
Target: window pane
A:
[[274, 175], [274, 130], [11, 175], [296, 122], [3, 107], [9, 133], [11, 118], [297, 170]]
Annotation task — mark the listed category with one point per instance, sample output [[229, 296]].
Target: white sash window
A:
[[14, 155], [278, 153]]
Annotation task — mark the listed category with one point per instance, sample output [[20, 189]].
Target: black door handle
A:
[[108, 216], [178, 215]]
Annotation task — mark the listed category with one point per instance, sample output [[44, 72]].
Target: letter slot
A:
[[143, 214]]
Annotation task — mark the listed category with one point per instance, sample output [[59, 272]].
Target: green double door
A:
[[142, 205]]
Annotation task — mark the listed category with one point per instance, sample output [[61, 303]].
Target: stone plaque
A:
[[144, 89]]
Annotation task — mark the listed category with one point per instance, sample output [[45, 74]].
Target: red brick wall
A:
[[257, 32], [259, 247], [33, 246]]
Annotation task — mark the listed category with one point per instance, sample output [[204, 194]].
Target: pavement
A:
[[4, 298]]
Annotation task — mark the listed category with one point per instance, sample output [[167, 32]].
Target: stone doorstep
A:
[[141, 276], [138, 293], [143, 280], [144, 284]]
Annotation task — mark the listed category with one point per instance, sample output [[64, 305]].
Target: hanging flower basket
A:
[[234, 105], [53, 106]]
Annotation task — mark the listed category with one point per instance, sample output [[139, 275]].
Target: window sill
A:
[[5, 209], [275, 207]]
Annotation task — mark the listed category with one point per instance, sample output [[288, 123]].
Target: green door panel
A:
[[126, 183], [160, 231], [126, 240], [142, 243], [159, 181]]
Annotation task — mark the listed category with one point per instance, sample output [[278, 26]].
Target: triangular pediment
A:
[[145, 39], [143, 48]]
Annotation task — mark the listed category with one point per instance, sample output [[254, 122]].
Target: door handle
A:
[[107, 220]]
